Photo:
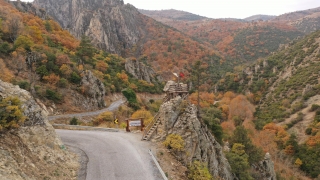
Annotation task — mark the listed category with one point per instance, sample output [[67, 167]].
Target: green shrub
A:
[[74, 121], [75, 78], [131, 97], [5, 48], [308, 131], [63, 83], [53, 95], [24, 85], [314, 107], [11, 113]]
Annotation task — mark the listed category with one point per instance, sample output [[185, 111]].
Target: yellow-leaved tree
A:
[[142, 113], [11, 113]]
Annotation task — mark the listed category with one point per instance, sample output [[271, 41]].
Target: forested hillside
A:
[[39, 56], [245, 41]]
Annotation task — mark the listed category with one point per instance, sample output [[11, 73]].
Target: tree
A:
[[212, 116], [101, 66], [198, 77], [13, 26], [24, 42], [131, 97], [146, 115], [85, 50], [240, 135], [62, 59], [11, 113], [241, 107], [18, 62], [238, 161]]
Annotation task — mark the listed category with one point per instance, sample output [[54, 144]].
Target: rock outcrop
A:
[[30, 8], [33, 151], [179, 117], [110, 24], [141, 71], [266, 169], [94, 90]]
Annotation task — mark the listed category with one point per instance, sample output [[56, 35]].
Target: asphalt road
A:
[[113, 155], [112, 107]]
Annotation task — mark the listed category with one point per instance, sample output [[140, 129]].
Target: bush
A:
[[75, 78], [175, 142], [63, 83], [146, 115], [74, 121], [24, 85], [314, 107], [199, 171], [308, 131], [11, 114], [54, 96], [131, 97], [4, 48], [104, 117]]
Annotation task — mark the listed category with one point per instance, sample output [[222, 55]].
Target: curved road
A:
[[112, 107], [113, 156]]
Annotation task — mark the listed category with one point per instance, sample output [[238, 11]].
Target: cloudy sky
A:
[[227, 8]]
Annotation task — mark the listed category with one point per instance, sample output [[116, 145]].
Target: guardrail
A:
[[158, 166], [86, 128]]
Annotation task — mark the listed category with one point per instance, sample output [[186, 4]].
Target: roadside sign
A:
[[116, 121], [135, 123]]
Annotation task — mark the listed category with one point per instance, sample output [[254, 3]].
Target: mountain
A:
[[172, 14], [121, 29], [239, 41], [259, 17], [66, 74], [111, 25]]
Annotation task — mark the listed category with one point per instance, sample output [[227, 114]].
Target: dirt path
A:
[[112, 107]]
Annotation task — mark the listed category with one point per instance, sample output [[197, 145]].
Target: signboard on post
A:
[[134, 123]]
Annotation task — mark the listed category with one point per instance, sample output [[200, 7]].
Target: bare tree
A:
[[18, 62], [14, 26]]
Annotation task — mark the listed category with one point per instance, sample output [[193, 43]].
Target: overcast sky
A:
[[227, 8]]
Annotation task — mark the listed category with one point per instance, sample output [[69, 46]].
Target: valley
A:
[[222, 98]]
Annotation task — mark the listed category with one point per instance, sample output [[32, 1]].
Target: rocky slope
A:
[[142, 72], [33, 151], [110, 24], [177, 117]]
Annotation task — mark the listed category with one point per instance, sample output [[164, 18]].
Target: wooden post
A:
[[127, 128]]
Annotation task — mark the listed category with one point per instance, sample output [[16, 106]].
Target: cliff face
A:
[[110, 24], [178, 117], [141, 71], [33, 151]]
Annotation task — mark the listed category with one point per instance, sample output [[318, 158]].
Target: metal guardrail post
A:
[[158, 166]]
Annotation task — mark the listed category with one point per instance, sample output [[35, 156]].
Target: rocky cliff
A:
[[29, 8], [110, 24], [179, 117], [33, 151], [141, 71]]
